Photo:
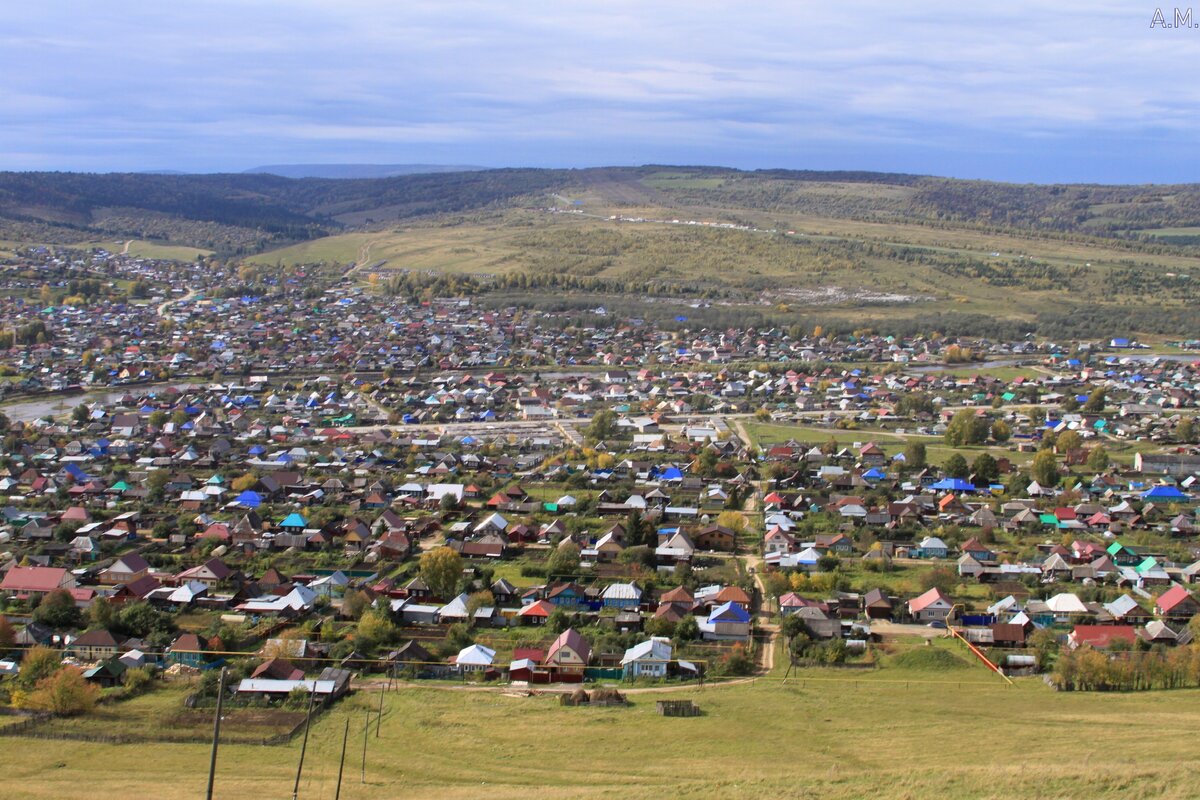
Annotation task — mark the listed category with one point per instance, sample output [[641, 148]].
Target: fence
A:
[[28, 729], [603, 673]]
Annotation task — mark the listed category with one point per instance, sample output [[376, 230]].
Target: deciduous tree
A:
[[1045, 468], [441, 568], [985, 468], [58, 610], [914, 454], [564, 560], [956, 466], [966, 427]]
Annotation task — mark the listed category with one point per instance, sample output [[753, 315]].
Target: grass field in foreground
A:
[[833, 734]]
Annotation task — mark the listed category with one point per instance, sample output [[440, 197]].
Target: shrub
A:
[[40, 662], [735, 663], [138, 679], [65, 693]]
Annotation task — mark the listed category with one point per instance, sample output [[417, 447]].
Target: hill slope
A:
[[281, 209]]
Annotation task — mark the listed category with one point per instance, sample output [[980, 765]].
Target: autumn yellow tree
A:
[[245, 482], [734, 520], [65, 693]]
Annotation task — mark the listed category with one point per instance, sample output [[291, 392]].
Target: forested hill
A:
[[243, 213], [236, 213]]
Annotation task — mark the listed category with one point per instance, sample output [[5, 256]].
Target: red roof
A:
[[1102, 636], [926, 600], [34, 579], [539, 609], [534, 654], [82, 595], [793, 600], [572, 639], [1172, 597]]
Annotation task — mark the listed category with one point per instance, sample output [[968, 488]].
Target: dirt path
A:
[[374, 684], [364, 258], [739, 427], [125, 250], [764, 618], [162, 307]]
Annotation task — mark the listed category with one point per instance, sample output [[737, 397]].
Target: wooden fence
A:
[[29, 729], [677, 708]]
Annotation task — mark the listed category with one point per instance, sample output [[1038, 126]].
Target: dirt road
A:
[[162, 307]]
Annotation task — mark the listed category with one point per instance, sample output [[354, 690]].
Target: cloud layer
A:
[[1017, 91]]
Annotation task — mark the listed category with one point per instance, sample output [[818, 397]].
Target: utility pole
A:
[[379, 717], [345, 735], [304, 746], [212, 763], [366, 732]]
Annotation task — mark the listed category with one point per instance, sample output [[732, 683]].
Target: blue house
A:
[[186, 650], [954, 485], [294, 523], [727, 621], [622, 595], [650, 659], [933, 547], [1163, 493], [565, 595]]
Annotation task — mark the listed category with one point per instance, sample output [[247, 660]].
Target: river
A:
[[63, 402]]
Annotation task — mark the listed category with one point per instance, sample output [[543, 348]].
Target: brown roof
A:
[[733, 594], [876, 597], [679, 594], [279, 669], [96, 638]]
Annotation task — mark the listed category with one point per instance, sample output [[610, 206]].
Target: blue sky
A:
[[1020, 91]]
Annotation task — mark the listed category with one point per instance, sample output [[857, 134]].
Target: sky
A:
[[1016, 91]]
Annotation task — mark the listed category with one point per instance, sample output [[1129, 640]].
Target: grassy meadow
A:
[[527, 241], [937, 452], [889, 733]]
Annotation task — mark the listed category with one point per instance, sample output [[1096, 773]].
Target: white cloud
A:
[[393, 75]]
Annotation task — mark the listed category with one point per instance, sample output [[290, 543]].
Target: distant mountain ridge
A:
[[357, 171]]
